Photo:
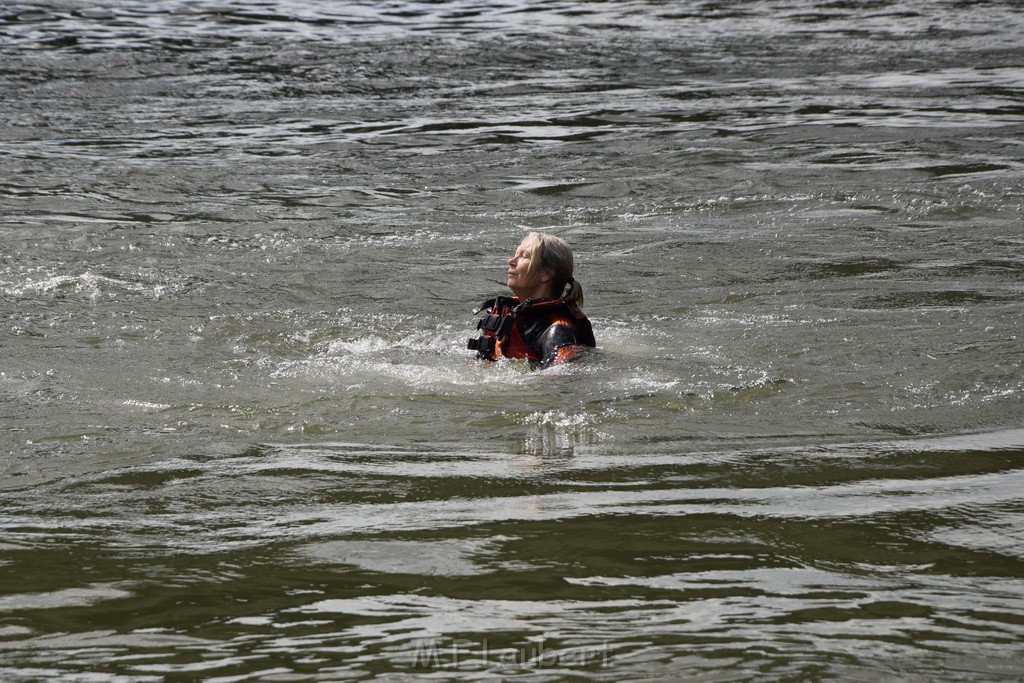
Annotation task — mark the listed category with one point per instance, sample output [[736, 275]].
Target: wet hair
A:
[[553, 254]]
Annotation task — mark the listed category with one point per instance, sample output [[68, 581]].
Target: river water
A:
[[242, 439]]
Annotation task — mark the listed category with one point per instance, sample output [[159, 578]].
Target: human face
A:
[[524, 284]]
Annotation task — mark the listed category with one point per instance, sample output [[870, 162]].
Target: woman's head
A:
[[543, 267]]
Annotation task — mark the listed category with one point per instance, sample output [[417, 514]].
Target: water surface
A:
[[241, 436]]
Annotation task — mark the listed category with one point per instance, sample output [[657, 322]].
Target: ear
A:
[[546, 276]]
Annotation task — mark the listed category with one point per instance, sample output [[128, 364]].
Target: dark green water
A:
[[241, 438]]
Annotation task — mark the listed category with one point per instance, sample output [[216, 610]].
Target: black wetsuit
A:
[[545, 331]]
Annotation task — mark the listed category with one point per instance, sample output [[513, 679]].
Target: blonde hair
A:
[[554, 255]]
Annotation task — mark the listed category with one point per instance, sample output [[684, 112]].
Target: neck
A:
[[541, 292]]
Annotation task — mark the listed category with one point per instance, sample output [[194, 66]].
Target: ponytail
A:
[[573, 292]]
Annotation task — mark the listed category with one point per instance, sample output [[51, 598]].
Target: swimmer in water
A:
[[542, 322]]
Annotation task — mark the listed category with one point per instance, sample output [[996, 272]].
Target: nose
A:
[[512, 261]]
